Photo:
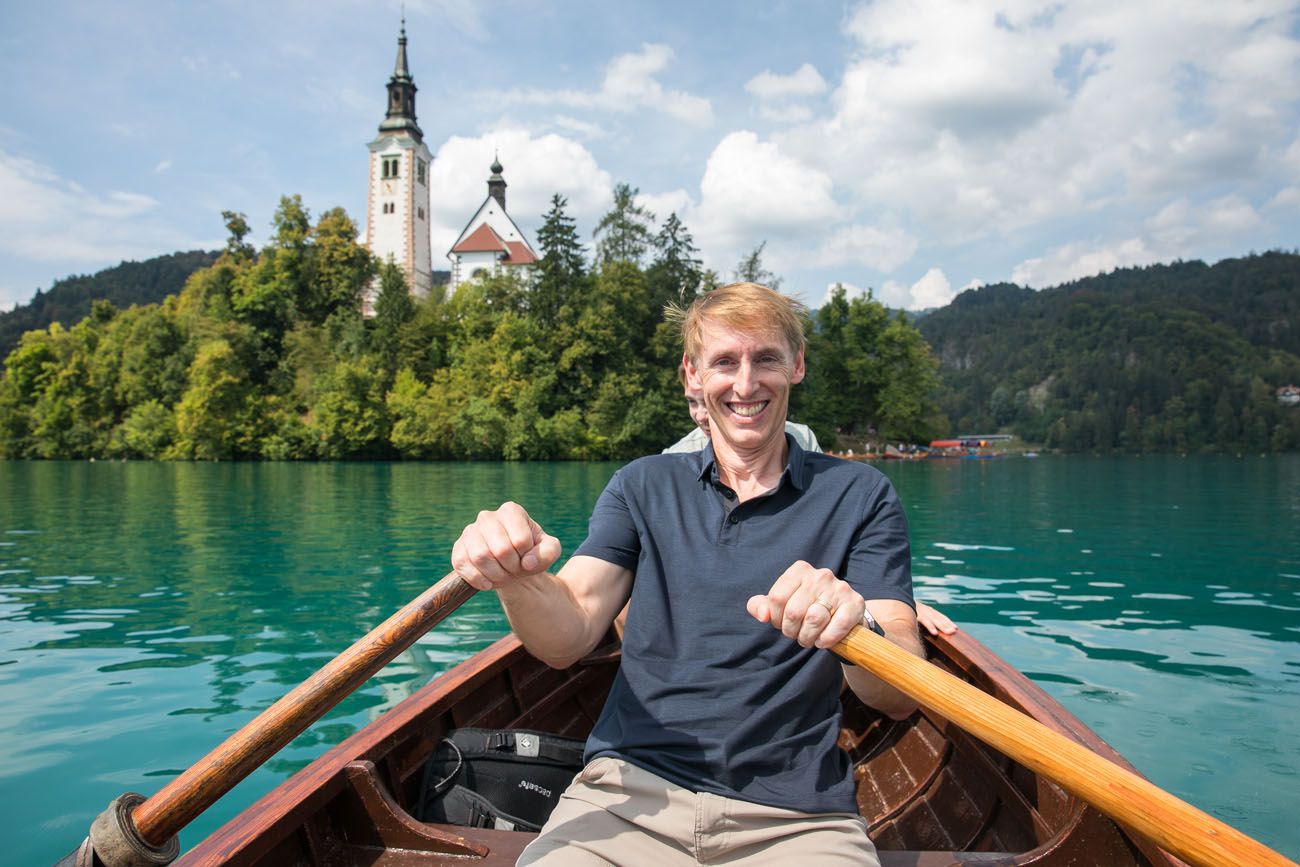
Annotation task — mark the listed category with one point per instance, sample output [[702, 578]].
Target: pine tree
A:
[[751, 269], [626, 232], [393, 309], [675, 273], [562, 267]]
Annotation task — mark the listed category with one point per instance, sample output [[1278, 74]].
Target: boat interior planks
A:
[[933, 794]]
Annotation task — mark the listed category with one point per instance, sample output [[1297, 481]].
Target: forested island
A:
[[264, 354]]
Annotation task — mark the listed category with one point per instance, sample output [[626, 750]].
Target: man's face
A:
[[744, 378]]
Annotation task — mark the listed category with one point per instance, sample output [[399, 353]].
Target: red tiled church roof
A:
[[520, 254], [482, 240]]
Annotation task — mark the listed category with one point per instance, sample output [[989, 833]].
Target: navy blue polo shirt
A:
[[706, 696]]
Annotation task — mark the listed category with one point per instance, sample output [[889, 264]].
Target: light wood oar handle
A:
[[177, 804], [1174, 825]]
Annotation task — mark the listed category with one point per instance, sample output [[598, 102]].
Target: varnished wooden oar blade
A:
[[1173, 824]]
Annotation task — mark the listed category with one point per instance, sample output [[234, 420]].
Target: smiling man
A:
[[698, 438], [740, 564]]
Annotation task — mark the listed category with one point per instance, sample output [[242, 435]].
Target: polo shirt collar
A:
[[795, 465]]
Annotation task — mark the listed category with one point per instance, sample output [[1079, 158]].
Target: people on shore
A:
[[742, 562]]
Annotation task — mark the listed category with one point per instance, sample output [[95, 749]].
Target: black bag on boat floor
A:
[[506, 779]]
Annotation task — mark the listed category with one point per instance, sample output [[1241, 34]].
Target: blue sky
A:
[[914, 147]]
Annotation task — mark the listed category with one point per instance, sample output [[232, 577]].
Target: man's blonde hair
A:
[[744, 307]]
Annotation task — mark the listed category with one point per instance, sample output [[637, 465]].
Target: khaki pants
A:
[[616, 813]]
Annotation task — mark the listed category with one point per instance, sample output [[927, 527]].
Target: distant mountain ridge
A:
[[1183, 356], [68, 300]]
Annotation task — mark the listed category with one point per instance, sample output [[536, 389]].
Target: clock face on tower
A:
[[388, 187]]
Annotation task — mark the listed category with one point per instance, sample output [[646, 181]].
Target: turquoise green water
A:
[[149, 610]]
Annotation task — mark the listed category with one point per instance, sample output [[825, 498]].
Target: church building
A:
[[490, 241], [397, 204]]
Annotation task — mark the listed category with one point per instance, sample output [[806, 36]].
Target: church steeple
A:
[[397, 203], [401, 95], [497, 183]]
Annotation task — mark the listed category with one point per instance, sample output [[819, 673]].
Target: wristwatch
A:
[[871, 623]]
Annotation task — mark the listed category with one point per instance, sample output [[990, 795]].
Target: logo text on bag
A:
[[533, 787]]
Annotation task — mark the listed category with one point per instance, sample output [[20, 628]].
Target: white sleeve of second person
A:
[[694, 441], [697, 439], [803, 435]]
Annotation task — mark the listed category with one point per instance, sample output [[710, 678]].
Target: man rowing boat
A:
[[742, 564]]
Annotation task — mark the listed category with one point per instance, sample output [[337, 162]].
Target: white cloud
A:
[[778, 94], [163, 166], [1181, 230], [851, 290], [881, 249], [1289, 197], [662, 204], [932, 290], [116, 205], [580, 128], [751, 191], [44, 217], [630, 83], [979, 119], [535, 168], [806, 81], [1181, 227], [1076, 260]]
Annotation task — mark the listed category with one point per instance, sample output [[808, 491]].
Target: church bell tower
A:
[[397, 205]]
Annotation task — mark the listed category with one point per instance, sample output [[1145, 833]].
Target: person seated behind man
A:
[[698, 438], [743, 563]]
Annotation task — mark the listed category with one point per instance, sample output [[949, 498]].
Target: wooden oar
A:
[[155, 821], [1174, 825]]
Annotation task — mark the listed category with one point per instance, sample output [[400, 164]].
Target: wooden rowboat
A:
[[932, 794]]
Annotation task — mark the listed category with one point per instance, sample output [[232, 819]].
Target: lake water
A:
[[147, 611]]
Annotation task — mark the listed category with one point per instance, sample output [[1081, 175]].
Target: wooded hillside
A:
[[1180, 357], [68, 300]]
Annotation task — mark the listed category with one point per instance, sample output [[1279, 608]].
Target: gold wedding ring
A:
[[824, 604]]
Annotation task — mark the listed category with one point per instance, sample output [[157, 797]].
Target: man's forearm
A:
[[548, 619], [873, 691]]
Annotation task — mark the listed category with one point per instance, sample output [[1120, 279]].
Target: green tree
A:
[[237, 225], [339, 271], [350, 415], [214, 416], [156, 355], [867, 370], [278, 288], [394, 308], [676, 271], [561, 270], [752, 270], [148, 431], [625, 233]]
